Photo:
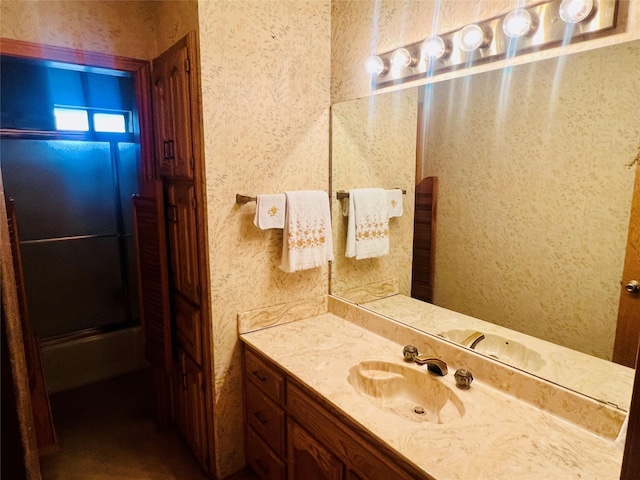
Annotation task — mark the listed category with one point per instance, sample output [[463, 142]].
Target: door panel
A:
[[172, 112], [62, 188], [183, 246], [190, 405], [153, 278]]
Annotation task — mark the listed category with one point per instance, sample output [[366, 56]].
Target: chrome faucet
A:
[[435, 365], [472, 340]]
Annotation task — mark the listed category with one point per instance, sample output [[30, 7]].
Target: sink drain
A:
[[419, 410]]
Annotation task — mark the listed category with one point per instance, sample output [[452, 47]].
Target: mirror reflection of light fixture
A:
[[375, 65], [518, 23], [575, 11], [434, 48], [473, 37], [402, 58]]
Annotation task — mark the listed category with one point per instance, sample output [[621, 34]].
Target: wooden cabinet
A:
[[318, 443], [172, 112], [265, 418], [190, 407], [183, 244], [184, 386], [308, 459]]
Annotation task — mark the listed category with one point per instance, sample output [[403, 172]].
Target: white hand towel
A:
[[306, 241], [394, 202], [368, 224], [270, 211]]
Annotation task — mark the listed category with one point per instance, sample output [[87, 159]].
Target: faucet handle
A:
[[409, 352], [463, 378]]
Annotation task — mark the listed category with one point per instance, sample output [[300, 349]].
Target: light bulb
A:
[[375, 65], [575, 11], [517, 23], [473, 37], [433, 48], [401, 58]]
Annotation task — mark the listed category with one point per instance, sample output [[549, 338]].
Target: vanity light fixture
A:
[[472, 37], [518, 23], [434, 48], [535, 28], [575, 11], [402, 58], [375, 66]]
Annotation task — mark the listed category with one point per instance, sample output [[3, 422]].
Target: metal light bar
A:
[[550, 29]]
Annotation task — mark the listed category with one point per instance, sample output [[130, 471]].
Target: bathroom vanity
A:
[[330, 395], [291, 428]]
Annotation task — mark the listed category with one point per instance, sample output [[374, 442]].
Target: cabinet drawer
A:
[[188, 328], [266, 418], [262, 460], [264, 377]]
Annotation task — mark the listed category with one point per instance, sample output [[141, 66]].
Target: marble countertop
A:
[[499, 437], [592, 376]]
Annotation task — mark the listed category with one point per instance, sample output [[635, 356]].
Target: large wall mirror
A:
[[534, 192]]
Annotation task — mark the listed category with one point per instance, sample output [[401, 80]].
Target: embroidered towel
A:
[[394, 202], [368, 224], [306, 240], [270, 211]]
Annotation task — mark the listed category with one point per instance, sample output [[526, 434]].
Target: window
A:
[[109, 122], [77, 120], [71, 119]]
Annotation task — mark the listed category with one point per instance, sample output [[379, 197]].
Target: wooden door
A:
[[183, 245], [628, 329], [424, 239], [153, 275], [308, 459], [172, 112]]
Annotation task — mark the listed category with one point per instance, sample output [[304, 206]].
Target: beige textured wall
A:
[[373, 143], [265, 87], [174, 19], [118, 28], [360, 28], [534, 196]]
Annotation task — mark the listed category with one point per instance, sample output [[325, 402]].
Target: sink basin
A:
[[408, 392], [500, 348]]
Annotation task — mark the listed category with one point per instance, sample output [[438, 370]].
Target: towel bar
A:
[[342, 195], [242, 199]]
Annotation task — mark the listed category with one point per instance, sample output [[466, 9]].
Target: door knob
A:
[[633, 286]]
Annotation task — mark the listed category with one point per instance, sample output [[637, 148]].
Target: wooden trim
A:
[[20, 48], [197, 131], [14, 356]]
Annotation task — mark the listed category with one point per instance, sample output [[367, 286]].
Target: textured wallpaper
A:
[[265, 93], [118, 28], [360, 28], [174, 19], [373, 143], [534, 195]]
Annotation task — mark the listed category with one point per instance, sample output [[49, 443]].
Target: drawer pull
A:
[[259, 376], [263, 421]]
